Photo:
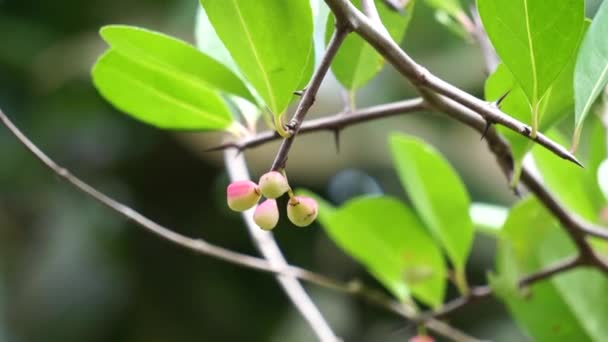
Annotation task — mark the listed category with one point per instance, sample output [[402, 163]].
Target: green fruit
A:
[[302, 211], [273, 184]]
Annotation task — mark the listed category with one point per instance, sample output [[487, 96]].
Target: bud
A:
[[273, 184], [266, 215], [301, 210], [242, 195], [422, 338]]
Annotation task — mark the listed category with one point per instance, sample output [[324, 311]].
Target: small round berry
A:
[[422, 338], [242, 195], [302, 210], [273, 184], [266, 215]]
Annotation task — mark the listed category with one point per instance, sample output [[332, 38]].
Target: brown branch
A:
[[308, 98], [335, 122], [202, 247], [424, 80], [482, 292]]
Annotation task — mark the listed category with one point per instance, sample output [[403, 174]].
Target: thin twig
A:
[[266, 244], [482, 292], [202, 247], [423, 79], [309, 96], [333, 122]]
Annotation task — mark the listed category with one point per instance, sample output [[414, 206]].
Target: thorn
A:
[[516, 191], [573, 159], [486, 129], [498, 102], [299, 92], [337, 139]]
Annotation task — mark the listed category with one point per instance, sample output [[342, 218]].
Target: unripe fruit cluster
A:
[[242, 195]]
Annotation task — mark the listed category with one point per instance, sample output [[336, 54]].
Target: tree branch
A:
[[202, 247], [308, 98], [482, 292], [333, 122], [423, 79]]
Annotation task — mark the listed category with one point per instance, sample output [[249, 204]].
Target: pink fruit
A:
[[302, 210], [266, 215], [273, 184], [422, 338], [242, 195]]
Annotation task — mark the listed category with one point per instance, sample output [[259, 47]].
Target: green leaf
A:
[[598, 144], [437, 193], [159, 95], [270, 41], [556, 105], [535, 39], [488, 218], [591, 73], [569, 306], [173, 55], [602, 178], [570, 183], [357, 62], [208, 42], [389, 240], [452, 7]]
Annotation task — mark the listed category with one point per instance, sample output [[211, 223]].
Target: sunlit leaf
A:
[[563, 308], [535, 39], [270, 41], [488, 218], [173, 55], [573, 185], [437, 193], [158, 95], [389, 240], [591, 74]]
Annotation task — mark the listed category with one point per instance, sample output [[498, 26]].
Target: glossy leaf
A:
[[556, 105], [452, 7], [598, 143], [437, 193], [602, 178], [389, 240], [534, 38], [488, 218], [357, 62], [562, 308], [270, 41], [158, 95], [173, 55], [208, 42], [570, 183], [591, 73]]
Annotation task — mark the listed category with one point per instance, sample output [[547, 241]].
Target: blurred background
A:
[[71, 270]]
